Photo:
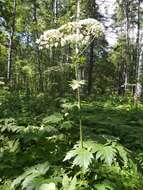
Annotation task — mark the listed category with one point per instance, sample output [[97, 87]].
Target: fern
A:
[[53, 119], [31, 131], [26, 179], [9, 125], [13, 145], [9, 146]]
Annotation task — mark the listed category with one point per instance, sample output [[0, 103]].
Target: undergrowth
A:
[[40, 149]]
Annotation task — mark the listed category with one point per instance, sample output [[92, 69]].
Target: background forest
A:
[[71, 95]]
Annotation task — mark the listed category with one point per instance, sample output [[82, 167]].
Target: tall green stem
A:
[[79, 104], [78, 78]]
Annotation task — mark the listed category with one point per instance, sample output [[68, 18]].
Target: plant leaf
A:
[[106, 154], [50, 186], [53, 119], [82, 157], [68, 183], [103, 187], [28, 176], [122, 153], [77, 84]]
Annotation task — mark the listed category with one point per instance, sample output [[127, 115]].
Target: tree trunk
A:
[[37, 52], [127, 63], [92, 13], [138, 88], [90, 67], [55, 10], [10, 46], [138, 62]]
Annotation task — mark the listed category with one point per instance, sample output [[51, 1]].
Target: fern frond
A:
[[29, 175]]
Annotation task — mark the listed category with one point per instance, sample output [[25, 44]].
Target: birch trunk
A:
[[10, 46], [55, 10], [37, 52], [128, 46], [77, 71], [138, 88]]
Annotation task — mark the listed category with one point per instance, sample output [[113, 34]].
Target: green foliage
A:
[[82, 157], [69, 183], [39, 113], [109, 153], [104, 186], [27, 178], [103, 164], [53, 119], [106, 153], [50, 186], [140, 159]]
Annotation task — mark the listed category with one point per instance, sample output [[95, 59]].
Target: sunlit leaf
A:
[[50, 186], [68, 183], [77, 84], [82, 157]]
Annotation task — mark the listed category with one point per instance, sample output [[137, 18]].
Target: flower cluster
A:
[[68, 33]]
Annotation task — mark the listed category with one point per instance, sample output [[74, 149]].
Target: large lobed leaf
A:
[[77, 84], [82, 157]]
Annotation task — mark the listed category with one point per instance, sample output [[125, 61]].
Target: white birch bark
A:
[[138, 89], [10, 46]]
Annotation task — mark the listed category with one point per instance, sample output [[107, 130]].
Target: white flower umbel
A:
[[67, 33]]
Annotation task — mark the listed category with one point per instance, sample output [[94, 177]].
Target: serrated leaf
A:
[[106, 154], [65, 181], [68, 183], [50, 186], [77, 84], [70, 155], [27, 181], [82, 157], [103, 187], [122, 153], [73, 184]]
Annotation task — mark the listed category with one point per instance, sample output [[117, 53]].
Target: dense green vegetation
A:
[[34, 143], [70, 102]]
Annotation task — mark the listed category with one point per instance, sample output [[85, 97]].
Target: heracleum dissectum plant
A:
[[78, 79], [78, 33]]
